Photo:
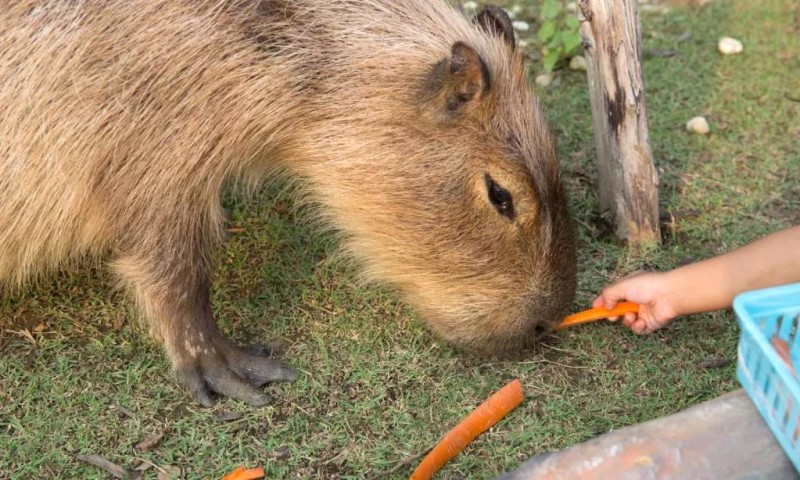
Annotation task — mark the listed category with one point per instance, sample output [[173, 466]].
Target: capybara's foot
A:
[[235, 373]]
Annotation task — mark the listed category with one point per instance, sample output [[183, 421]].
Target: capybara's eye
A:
[[500, 198]]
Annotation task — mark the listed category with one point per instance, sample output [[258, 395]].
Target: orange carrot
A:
[[481, 419], [783, 351], [242, 474], [598, 314]]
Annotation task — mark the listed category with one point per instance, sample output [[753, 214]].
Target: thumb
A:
[[616, 292], [612, 294]]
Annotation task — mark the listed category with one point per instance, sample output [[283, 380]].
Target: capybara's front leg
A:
[[172, 287]]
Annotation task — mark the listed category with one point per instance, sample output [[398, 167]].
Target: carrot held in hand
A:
[[242, 474], [481, 419], [598, 314]]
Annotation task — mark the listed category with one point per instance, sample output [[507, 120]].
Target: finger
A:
[[613, 319], [598, 302], [613, 294], [629, 319], [639, 327], [610, 304]]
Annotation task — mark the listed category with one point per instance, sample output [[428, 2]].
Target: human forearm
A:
[[712, 284]]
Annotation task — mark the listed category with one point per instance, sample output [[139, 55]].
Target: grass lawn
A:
[[78, 376]]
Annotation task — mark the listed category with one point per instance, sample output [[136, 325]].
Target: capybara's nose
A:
[[540, 331]]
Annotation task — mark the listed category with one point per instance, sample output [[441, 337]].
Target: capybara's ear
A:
[[496, 21], [456, 84]]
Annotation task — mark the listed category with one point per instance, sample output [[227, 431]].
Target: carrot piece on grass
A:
[[598, 314], [481, 419], [242, 474]]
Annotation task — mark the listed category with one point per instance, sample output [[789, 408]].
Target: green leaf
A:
[[555, 42], [550, 61], [550, 9], [571, 41], [546, 31], [572, 23]]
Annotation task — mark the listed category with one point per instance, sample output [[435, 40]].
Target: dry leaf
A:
[[168, 473], [143, 466], [225, 416], [150, 441], [24, 333], [104, 464], [281, 453], [123, 411], [715, 363]]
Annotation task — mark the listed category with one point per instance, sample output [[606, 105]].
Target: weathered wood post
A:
[[628, 181]]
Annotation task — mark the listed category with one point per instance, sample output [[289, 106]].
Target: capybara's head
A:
[[447, 185]]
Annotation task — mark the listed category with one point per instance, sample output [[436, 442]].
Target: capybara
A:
[[412, 126]]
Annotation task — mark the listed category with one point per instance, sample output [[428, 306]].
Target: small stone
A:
[[521, 26], [729, 46], [578, 63], [522, 43], [544, 79], [698, 125], [572, 7], [651, 8], [470, 6]]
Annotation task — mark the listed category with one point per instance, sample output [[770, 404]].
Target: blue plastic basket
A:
[[771, 385]]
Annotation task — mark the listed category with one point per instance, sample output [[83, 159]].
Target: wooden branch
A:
[[722, 438], [628, 181]]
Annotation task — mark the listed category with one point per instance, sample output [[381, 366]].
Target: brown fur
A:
[[122, 122]]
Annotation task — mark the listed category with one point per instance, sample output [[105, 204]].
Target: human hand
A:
[[654, 294]]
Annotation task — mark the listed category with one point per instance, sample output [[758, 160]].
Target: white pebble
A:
[[654, 8], [729, 46], [698, 125], [470, 6], [521, 26], [544, 79], [578, 63], [522, 43]]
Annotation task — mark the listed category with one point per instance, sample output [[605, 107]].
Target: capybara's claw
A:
[[236, 374]]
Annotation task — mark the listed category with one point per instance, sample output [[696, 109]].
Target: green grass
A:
[[376, 387]]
